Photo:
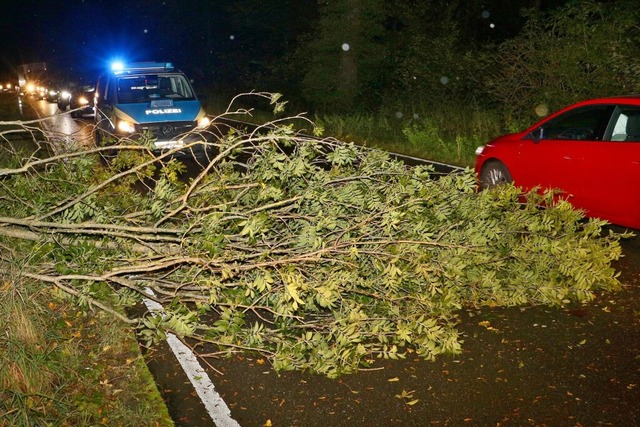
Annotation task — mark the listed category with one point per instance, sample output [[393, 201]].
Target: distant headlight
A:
[[479, 150], [125, 126], [65, 94], [203, 122], [83, 100]]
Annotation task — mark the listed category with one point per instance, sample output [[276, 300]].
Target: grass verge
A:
[[66, 367], [448, 133]]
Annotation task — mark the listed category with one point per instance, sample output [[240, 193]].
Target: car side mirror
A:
[[537, 134]]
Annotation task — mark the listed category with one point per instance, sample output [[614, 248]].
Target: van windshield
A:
[[145, 88]]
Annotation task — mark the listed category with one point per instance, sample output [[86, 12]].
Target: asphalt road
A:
[[69, 133]]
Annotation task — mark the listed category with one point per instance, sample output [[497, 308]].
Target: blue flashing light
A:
[[117, 66]]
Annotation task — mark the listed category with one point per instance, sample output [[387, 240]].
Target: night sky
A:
[[202, 37], [80, 36]]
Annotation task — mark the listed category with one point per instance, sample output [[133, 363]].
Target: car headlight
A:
[[479, 150], [203, 122], [65, 94], [125, 126], [83, 100]]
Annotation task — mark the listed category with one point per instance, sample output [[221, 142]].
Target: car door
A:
[[609, 170], [552, 156]]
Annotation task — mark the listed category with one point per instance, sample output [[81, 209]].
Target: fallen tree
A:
[[319, 255]]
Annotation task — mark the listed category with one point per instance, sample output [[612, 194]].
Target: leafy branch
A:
[[319, 255]]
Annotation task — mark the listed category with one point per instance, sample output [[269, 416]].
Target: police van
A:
[[148, 98]]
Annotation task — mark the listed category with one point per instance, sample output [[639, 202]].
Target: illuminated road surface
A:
[[64, 132]]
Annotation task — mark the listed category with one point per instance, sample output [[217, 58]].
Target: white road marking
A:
[[213, 402]]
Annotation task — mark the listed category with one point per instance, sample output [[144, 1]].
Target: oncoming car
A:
[[53, 92], [590, 151], [79, 99], [148, 98]]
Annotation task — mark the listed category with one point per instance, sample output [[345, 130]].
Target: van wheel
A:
[[494, 173]]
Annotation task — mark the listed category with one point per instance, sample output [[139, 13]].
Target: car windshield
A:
[[149, 87]]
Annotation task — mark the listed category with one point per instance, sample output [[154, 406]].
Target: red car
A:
[[590, 151]]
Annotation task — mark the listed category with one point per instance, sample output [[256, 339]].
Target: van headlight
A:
[[125, 126], [203, 122]]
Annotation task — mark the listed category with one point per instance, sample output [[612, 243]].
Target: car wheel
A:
[[494, 173]]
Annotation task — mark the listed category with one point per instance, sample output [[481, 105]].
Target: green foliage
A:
[[447, 134], [435, 66], [342, 64], [582, 50], [320, 255], [451, 135], [419, 58]]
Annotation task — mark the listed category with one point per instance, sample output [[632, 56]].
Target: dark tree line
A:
[[356, 55], [299, 47]]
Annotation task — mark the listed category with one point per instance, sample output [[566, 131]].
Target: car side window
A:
[[584, 123], [626, 125]]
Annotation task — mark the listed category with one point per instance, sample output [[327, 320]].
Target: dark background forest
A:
[[521, 58]]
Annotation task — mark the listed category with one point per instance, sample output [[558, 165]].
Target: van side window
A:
[[101, 88], [111, 90]]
